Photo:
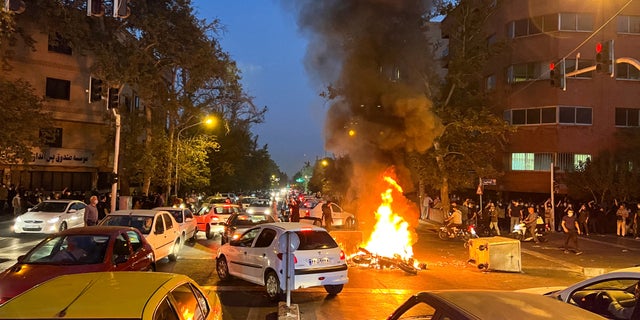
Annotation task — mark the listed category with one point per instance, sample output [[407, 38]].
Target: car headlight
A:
[[250, 211], [267, 211], [53, 220], [19, 219]]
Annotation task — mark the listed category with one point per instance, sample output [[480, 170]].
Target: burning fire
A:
[[391, 236]]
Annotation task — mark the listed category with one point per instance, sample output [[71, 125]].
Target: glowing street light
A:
[[209, 121]]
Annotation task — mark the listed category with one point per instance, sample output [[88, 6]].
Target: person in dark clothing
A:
[[295, 210], [572, 229], [103, 208], [326, 215]]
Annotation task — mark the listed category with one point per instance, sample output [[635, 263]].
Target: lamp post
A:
[[207, 121], [116, 154]]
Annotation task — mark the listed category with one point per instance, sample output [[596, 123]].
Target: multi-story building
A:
[[79, 148], [555, 127]]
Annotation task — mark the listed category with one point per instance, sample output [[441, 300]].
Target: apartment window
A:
[[629, 24], [58, 89], [531, 161], [531, 116], [548, 115], [625, 71], [569, 162], [490, 82], [575, 115], [576, 22], [526, 72], [56, 43], [550, 22], [136, 102], [627, 117]]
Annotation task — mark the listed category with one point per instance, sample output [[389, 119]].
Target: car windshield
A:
[[315, 239], [69, 250], [260, 204], [50, 207], [142, 223]]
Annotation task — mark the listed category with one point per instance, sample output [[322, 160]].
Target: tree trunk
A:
[[147, 150], [444, 187]]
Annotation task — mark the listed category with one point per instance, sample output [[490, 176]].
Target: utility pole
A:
[[116, 154]]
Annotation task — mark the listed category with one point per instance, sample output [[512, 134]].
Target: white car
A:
[[51, 216], [184, 217], [259, 206], [256, 257], [311, 211], [159, 228], [590, 294]]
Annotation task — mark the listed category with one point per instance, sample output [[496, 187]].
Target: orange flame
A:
[[391, 236]]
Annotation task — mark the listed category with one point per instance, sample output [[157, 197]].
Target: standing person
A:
[[16, 204], [621, 225], [572, 229], [426, 205], [91, 212], [4, 196], [493, 215], [583, 219], [548, 213], [531, 222], [103, 207], [295, 210], [326, 215]]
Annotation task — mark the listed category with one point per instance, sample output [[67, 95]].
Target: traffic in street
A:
[[447, 267]]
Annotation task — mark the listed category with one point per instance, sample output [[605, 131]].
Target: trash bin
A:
[[496, 253]]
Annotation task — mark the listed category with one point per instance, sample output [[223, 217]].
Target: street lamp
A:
[[207, 121]]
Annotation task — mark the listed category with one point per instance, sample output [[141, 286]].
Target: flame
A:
[[391, 236]]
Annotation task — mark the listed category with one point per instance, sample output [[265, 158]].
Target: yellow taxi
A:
[[115, 295]]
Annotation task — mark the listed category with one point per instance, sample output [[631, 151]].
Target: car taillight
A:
[[307, 213], [342, 255], [281, 256]]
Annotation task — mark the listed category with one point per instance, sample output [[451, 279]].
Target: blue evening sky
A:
[[264, 41]]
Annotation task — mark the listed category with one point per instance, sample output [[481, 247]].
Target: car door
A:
[[339, 216], [159, 238], [257, 256], [172, 229], [236, 253], [190, 223], [140, 259], [122, 253], [76, 214]]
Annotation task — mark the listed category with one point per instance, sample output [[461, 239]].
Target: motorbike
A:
[[520, 229], [462, 233]]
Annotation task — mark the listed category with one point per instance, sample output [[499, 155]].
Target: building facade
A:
[[558, 128], [78, 152]]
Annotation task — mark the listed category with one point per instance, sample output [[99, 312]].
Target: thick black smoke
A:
[[373, 54]]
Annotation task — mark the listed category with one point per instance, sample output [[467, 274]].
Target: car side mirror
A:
[[72, 211]]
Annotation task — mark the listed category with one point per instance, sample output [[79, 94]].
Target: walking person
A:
[[326, 215], [295, 210], [103, 207], [583, 219], [572, 230], [16, 204], [91, 212], [493, 215], [426, 205], [621, 225], [531, 222]]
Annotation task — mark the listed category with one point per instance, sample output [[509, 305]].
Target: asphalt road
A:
[[373, 293]]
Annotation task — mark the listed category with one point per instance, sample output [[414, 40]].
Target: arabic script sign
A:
[[63, 157]]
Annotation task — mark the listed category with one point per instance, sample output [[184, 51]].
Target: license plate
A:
[[314, 261]]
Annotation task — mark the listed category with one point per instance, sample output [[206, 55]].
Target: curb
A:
[[288, 313]]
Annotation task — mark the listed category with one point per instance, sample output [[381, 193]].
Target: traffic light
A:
[[113, 177], [95, 90], [557, 75], [605, 60], [16, 6], [121, 8], [95, 8], [113, 98]]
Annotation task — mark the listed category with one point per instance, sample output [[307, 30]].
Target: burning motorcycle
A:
[[461, 233]]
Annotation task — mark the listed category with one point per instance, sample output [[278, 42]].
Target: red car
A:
[[78, 250], [211, 217]]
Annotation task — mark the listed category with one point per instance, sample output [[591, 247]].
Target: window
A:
[[531, 161], [58, 89], [490, 82], [629, 24], [56, 43], [550, 22], [625, 71], [532, 116], [549, 115], [626, 117], [532, 26], [526, 72], [187, 302], [575, 115], [576, 22], [265, 238], [569, 162]]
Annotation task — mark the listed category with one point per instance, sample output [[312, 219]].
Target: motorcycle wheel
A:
[[407, 268], [518, 236], [443, 235]]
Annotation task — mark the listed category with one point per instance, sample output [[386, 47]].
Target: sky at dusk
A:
[[264, 41]]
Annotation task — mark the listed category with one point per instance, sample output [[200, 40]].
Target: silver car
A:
[[51, 216]]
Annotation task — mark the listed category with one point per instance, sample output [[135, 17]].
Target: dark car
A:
[[238, 223], [78, 250]]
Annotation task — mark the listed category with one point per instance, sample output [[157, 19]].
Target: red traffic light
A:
[[598, 47], [552, 66]]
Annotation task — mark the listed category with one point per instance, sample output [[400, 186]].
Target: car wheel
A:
[[208, 232], [272, 284], [334, 289], [222, 268], [63, 226], [173, 256]]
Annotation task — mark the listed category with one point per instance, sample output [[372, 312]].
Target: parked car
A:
[[238, 223], [256, 257], [212, 217], [245, 201], [159, 228], [115, 295], [260, 206], [311, 211], [188, 224], [486, 304], [78, 250], [51, 216], [593, 294]]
